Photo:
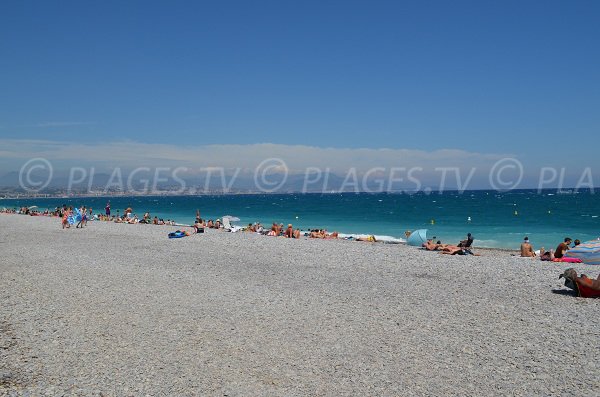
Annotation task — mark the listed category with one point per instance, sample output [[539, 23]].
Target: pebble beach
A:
[[121, 310]]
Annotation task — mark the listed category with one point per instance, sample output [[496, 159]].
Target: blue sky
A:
[[516, 77]]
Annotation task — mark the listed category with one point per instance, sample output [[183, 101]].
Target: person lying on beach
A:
[[546, 255], [562, 248], [527, 249], [333, 236], [453, 250], [370, 239], [319, 233], [297, 233], [315, 233], [456, 250], [429, 245]]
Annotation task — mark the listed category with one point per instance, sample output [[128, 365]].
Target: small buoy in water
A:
[[549, 211], [296, 216]]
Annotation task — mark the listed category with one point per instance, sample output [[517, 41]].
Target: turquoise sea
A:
[[498, 220]]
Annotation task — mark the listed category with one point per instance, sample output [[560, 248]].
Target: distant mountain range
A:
[[216, 183]]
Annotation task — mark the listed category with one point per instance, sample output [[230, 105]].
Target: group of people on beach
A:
[[131, 218], [462, 248], [80, 217], [276, 230], [527, 250]]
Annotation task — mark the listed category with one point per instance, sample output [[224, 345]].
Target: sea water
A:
[[498, 220]]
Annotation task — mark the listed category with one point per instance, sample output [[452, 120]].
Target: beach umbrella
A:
[[232, 218], [417, 238], [32, 207], [588, 252]]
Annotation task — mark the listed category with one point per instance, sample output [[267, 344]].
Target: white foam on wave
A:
[[487, 243]]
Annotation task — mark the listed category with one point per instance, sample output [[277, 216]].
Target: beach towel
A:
[[178, 234], [75, 217], [585, 289], [567, 260]]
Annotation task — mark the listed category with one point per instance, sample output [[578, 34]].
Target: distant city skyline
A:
[[129, 84]]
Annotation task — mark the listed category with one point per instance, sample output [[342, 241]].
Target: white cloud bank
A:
[[450, 168], [298, 158]]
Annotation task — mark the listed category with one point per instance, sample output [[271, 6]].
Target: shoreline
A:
[[380, 239], [378, 215]]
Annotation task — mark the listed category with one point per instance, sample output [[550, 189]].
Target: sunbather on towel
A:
[[429, 245], [453, 250], [370, 239]]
